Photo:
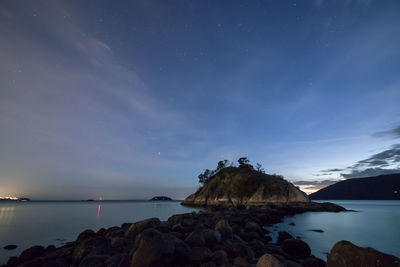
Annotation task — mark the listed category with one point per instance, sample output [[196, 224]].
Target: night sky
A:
[[131, 99]]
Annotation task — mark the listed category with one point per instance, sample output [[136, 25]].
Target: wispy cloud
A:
[[332, 170], [71, 101], [394, 133], [369, 172]]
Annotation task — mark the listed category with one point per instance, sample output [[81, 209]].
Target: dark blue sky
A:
[[130, 99]]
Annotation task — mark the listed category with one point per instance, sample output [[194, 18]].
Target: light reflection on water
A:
[[375, 224], [44, 223], [6, 215]]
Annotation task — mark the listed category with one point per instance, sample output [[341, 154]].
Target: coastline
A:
[[196, 237]]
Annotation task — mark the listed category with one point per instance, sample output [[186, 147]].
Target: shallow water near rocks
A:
[[26, 224], [376, 224]]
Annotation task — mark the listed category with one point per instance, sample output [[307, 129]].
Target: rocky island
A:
[[240, 202], [245, 187], [163, 198]]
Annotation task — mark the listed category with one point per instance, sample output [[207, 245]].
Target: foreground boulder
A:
[[153, 248], [296, 248], [268, 260], [346, 254], [244, 187]]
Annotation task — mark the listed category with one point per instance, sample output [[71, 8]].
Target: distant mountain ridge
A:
[[382, 187]]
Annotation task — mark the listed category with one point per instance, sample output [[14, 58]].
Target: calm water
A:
[[376, 224], [33, 223]]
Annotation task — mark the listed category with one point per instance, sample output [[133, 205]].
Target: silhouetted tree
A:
[[259, 168], [222, 164], [243, 162], [205, 176]]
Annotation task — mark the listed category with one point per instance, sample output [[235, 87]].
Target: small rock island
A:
[[163, 198], [244, 186]]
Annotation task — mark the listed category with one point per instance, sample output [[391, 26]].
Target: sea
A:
[[372, 223]]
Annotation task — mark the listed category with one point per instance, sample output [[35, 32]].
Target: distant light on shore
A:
[[9, 198]]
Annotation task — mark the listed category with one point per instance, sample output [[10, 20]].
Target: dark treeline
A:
[[243, 162]]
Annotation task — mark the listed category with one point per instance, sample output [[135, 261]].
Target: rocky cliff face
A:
[[244, 186]]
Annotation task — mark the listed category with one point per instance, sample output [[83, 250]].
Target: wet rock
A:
[[346, 254], [282, 236], [86, 234], [252, 235], [10, 247], [114, 232], [62, 252], [125, 226], [31, 253], [93, 261], [289, 263], [296, 248], [258, 247], [198, 255], [55, 263], [50, 248], [138, 227], [93, 246], [240, 261], [252, 226], [114, 260], [313, 262], [13, 261], [101, 231], [125, 261], [268, 260], [220, 257], [177, 235], [240, 249], [177, 227], [164, 227], [209, 264], [32, 263], [181, 250], [153, 249], [211, 236], [224, 228], [196, 239], [120, 242]]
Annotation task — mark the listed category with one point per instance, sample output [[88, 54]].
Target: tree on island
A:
[[244, 162], [222, 164], [259, 168], [205, 176]]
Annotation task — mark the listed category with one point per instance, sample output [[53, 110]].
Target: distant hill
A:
[[383, 187]]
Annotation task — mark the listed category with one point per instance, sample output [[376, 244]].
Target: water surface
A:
[[43, 223], [376, 224]]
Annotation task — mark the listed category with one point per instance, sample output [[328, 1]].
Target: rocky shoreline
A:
[[219, 236]]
